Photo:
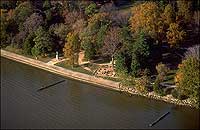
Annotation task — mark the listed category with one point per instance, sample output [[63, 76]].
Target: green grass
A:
[[20, 52], [77, 68], [111, 78], [14, 50], [92, 66]]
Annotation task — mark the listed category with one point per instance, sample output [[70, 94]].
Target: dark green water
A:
[[72, 104]]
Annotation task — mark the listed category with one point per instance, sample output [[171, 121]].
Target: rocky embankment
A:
[[168, 98]]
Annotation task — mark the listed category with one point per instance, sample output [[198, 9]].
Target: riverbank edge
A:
[[89, 79]]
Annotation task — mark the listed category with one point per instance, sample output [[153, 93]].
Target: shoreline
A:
[[108, 84]]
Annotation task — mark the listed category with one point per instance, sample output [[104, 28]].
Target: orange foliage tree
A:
[[71, 48], [175, 34], [146, 17], [184, 12]]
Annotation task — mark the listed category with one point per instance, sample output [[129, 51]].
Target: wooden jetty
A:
[[160, 118], [50, 85]]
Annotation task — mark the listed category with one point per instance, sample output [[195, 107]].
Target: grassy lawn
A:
[[92, 66], [20, 52], [77, 69], [111, 78]]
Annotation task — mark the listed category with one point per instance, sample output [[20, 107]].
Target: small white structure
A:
[[57, 55]]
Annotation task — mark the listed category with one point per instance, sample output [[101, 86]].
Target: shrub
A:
[[177, 94], [162, 70], [142, 84], [126, 80], [157, 88]]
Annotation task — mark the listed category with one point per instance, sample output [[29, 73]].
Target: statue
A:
[[57, 55]]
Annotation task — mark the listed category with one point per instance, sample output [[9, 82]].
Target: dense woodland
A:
[[143, 38]]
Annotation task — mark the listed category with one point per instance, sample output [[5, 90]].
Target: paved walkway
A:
[[62, 71], [55, 61]]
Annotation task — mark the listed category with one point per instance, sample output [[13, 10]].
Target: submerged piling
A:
[[160, 118], [50, 85]]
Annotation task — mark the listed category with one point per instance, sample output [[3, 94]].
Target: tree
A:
[[168, 15], [184, 12], [146, 17], [71, 48], [175, 35], [112, 42], [46, 5], [60, 30], [101, 36], [43, 41], [28, 44], [8, 4], [79, 26], [70, 17], [119, 18], [4, 25], [120, 65], [187, 78], [32, 23], [93, 34], [126, 38], [88, 46], [91, 9], [22, 11], [18, 39], [35, 51], [140, 52]]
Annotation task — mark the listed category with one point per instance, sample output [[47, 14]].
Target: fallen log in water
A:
[[50, 85], [160, 118]]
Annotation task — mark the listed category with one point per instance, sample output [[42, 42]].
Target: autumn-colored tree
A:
[[187, 78], [175, 34], [146, 17], [184, 12], [95, 22], [71, 48], [168, 15]]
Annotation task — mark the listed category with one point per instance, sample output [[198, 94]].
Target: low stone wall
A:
[[61, 71], [90, 79]]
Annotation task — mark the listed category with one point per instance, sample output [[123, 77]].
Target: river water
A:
[[73, 104]]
